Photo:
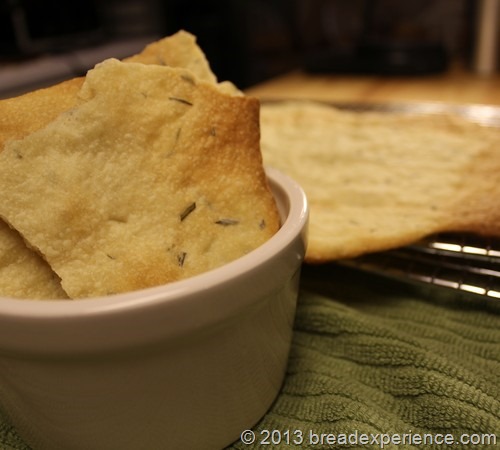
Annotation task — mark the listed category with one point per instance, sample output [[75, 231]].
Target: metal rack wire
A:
[[464, 262]]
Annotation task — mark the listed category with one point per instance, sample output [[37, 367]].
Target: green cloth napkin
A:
[[376, 364]]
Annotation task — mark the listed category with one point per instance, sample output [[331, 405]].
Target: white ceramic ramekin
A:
[[186, 365]]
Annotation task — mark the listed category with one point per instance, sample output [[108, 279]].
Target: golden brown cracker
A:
[[22, 115], [24, 274], [154, 177], [26, 113]]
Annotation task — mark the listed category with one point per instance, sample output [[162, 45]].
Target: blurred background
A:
[[246, 41]]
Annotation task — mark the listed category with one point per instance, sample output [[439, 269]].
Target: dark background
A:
[[249, 41]]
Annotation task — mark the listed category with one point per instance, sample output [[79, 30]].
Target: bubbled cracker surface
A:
[[111, 205]]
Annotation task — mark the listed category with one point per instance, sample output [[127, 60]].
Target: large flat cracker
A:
[[22, 115], [155, 177], [377, 181]]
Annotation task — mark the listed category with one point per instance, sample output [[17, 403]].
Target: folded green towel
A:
[[380, 364]]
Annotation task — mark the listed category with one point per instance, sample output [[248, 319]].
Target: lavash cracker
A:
[[156, 176], [23, 273], [376, 181], [21, 115]]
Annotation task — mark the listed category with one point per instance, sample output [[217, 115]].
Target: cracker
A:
[[26, 113], [376, 181], [156, 176], [178, 50], [37, 280], [30, 112]]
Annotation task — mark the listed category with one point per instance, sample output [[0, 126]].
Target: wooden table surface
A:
[[456, 86]]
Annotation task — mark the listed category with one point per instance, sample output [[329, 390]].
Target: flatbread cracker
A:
[[38, 280], [156, 176], [376, 181], [22, 115], [25, 114]]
